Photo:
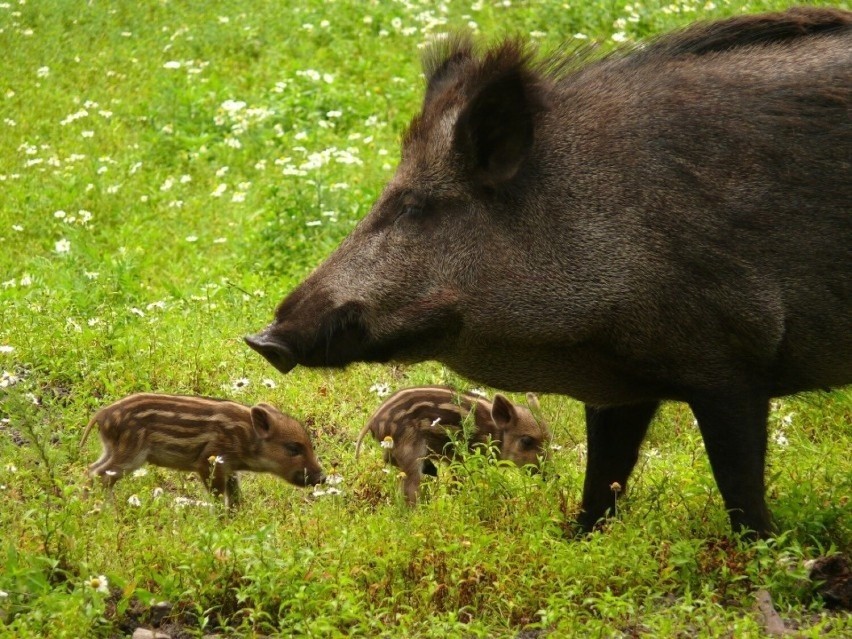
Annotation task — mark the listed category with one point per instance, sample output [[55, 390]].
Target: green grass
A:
[[203, 213]]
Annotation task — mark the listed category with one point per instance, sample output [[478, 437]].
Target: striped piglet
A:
[[414, 426], [213, 437]]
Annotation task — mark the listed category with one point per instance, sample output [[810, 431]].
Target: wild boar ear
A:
[[496, 129], [443, 61], [503, 412], [261, 420]]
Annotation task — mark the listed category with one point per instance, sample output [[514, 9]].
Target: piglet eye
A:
[[294, 449]]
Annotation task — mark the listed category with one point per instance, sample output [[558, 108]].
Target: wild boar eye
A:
[[411, 212], [294, 449], [528, 442]]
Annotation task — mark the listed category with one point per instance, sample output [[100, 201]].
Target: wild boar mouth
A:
[[343, 338]]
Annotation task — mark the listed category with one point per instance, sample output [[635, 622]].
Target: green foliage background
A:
[[169, 170]]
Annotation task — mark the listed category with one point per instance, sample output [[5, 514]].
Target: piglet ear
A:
[[261, 420], [496, 128], [503, 412], [532, 402]]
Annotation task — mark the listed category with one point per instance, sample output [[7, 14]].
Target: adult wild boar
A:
[[670, 222]]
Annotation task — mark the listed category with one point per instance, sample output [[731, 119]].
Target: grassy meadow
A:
[[169, 171]]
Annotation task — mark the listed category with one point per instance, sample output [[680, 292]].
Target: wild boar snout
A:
[[313, 330], [304, 477], [275, 352]]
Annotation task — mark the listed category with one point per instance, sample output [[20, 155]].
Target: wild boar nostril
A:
[[277, 354]]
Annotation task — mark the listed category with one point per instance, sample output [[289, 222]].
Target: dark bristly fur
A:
[[419, 422], [214, 438], [670, 221]]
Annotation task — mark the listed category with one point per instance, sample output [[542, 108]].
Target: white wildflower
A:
[[185, 501], [191, 238], [380, 389], [99, 583], [157, 492], [240, 383], [387, 442], [137, 311], [5, 348], [140, 472], [172, 64], [62, 246], [43, 72], [269, 383], [134, 500], [334, 479]]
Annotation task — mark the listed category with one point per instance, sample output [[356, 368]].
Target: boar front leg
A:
[[613, 436], [220, 481], [734, 433]]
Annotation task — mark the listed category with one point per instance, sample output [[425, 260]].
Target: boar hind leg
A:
[[734, 433], [411, 484], [233, 496], [412, 468], [614, 435]]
